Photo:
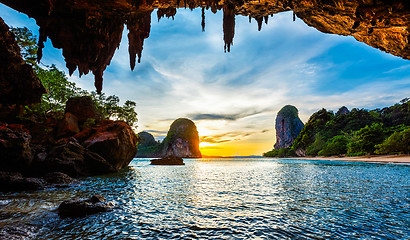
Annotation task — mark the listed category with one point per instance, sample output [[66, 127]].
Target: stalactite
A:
[[266, 19], [139, 27], [203, 20], [41, 39], [228, 25], [260, 21]]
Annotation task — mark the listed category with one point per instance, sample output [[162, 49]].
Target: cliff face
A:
[[90, 31], [18, 83], [288, 126], [182, 140]]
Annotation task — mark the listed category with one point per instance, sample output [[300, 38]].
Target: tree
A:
[[59, 89], [366, 138]]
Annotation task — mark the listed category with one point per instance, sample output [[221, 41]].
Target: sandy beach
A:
[[373, 158]]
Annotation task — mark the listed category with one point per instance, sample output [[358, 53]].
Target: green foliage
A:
[[316, 146], [335, 146], [283, 152], [59, 89], [398, 142], [27, 43], [365, 139]]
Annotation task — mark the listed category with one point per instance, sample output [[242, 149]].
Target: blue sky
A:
[[234, 97]]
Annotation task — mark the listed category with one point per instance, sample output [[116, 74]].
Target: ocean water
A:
[[253, 198]]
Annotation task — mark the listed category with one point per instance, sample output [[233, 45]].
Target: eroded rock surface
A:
[[182, 140], [288, 126], [82, 207]]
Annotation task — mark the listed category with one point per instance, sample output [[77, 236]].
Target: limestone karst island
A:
[[232, 119]]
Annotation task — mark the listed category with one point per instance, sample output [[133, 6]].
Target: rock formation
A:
[[147, 146], [343, 110], [182, 140], [18, 83], [381, 24], [288, 126], [170, 160], [82, 207]]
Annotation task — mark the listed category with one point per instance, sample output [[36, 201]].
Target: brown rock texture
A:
[[115, 141], [82, 108], [288, 126], [15, 151], [90, 31], [18, 83]]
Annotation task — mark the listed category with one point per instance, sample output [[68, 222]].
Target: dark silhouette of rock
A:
[[115, 141], [288, 126], [58, 178], [12, 181], [18, 83], [15, 151], [343, 110], [72, 158], [182, 140], [82, 207], [228, 25], [83, 108], [147, 146], [170, 160]]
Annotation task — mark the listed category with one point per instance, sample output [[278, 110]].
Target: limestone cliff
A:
[[182, 140], [288, 126], [147, 146]]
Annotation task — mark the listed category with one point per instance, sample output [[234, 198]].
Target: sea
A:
[[247, 198]]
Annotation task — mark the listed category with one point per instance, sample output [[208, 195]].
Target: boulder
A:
[[170, 160], [12, 181], [82, 207], [58, 178], [182, 140], [72, 158], [68, 126], [115, 141], [288, 126], [83, 108], [15, 151]]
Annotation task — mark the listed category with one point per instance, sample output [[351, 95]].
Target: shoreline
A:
[[370, 159]]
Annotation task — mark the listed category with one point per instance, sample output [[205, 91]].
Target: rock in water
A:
[[115, 141], [83, 207], [170, 160], [83, 108], [288, 126], [182, 140]]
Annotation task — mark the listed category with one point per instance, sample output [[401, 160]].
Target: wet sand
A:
[[373, 158]]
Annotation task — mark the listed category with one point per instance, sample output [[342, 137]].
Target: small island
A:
[[170, 160]]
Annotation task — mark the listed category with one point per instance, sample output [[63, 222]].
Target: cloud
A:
[[229, 117]]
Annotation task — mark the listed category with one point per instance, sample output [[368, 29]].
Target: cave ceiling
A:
[[90, 31]]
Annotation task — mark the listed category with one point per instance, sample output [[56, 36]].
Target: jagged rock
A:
[[18, 83], [115, 141], [83, 108], [68, 126], [288, 126], [147, 146], [12, 181], [182, 140], [82, 207], [15, 151], [170, 160], [343, 110], [72, 158], [58, 178]]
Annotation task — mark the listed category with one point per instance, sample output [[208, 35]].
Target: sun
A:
[[205, 144]]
